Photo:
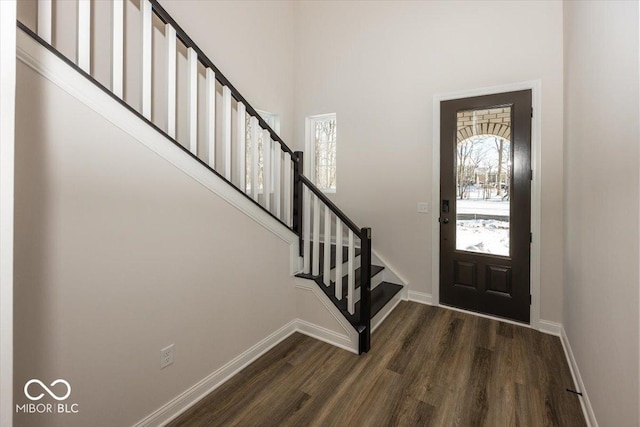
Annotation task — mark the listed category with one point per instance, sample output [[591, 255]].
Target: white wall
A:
[[119, 254], [601, 208], [378, 66]]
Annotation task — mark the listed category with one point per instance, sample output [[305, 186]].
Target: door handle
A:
[[445, 220]]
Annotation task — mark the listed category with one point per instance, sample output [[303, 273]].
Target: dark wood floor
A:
[[427, 366]]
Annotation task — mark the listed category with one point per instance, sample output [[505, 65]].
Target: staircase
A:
[[239, 147], [381, 291]]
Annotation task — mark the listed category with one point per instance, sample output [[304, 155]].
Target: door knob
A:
[[445, 220]]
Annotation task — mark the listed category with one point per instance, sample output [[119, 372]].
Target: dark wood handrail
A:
[[344, 218], [204, 59]]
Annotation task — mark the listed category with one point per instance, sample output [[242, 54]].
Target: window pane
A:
[[483, 175], [325, 135], [247, 153], [321, 176], [273, 121]]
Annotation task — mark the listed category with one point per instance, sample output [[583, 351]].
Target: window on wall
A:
[[321, 141], [273, 120]]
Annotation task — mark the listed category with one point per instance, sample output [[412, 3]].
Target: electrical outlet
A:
[[166, 356], [423, 207]]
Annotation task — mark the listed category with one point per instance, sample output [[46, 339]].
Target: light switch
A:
[[423, 207]]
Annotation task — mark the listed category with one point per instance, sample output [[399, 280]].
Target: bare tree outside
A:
[[471, 155], [271, 120], [325, 152], [499, 142], [248, 154]]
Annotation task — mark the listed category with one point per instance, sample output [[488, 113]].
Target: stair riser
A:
[[375, 281]]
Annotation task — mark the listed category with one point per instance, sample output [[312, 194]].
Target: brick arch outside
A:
[[493, 121]]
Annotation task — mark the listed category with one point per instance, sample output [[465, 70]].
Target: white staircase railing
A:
[[270, 183]]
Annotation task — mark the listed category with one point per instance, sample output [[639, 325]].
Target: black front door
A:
[[485, 204]]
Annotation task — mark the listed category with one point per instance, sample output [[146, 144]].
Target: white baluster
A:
[[287, 176], [266, 168], [226, 130], [147, 47], [117, 48], [45, 20], [255, 157], [170, 35], [242, 145], [326, 262], [351, 280], [192, 103], [210, 105], [316, 236], [84, 35], [306, 230], [338, 258], [277, 173]]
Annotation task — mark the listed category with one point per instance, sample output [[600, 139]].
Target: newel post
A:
[[365, 290], [297, 197]]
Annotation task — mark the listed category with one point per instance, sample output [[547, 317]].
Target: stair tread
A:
[[380, 296]]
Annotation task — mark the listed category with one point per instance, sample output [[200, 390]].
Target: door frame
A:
[[536, 130]]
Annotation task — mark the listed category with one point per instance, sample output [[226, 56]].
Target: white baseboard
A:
[[191, 396], [350, 335], [181, 403], [587, 409], [420, 297], [326, 335], [544, 326], [551, 328]]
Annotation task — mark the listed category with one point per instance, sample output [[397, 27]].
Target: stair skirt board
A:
[[385, 295], [343, 334]]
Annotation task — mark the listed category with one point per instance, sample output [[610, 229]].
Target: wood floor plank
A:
[[428, 366]]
